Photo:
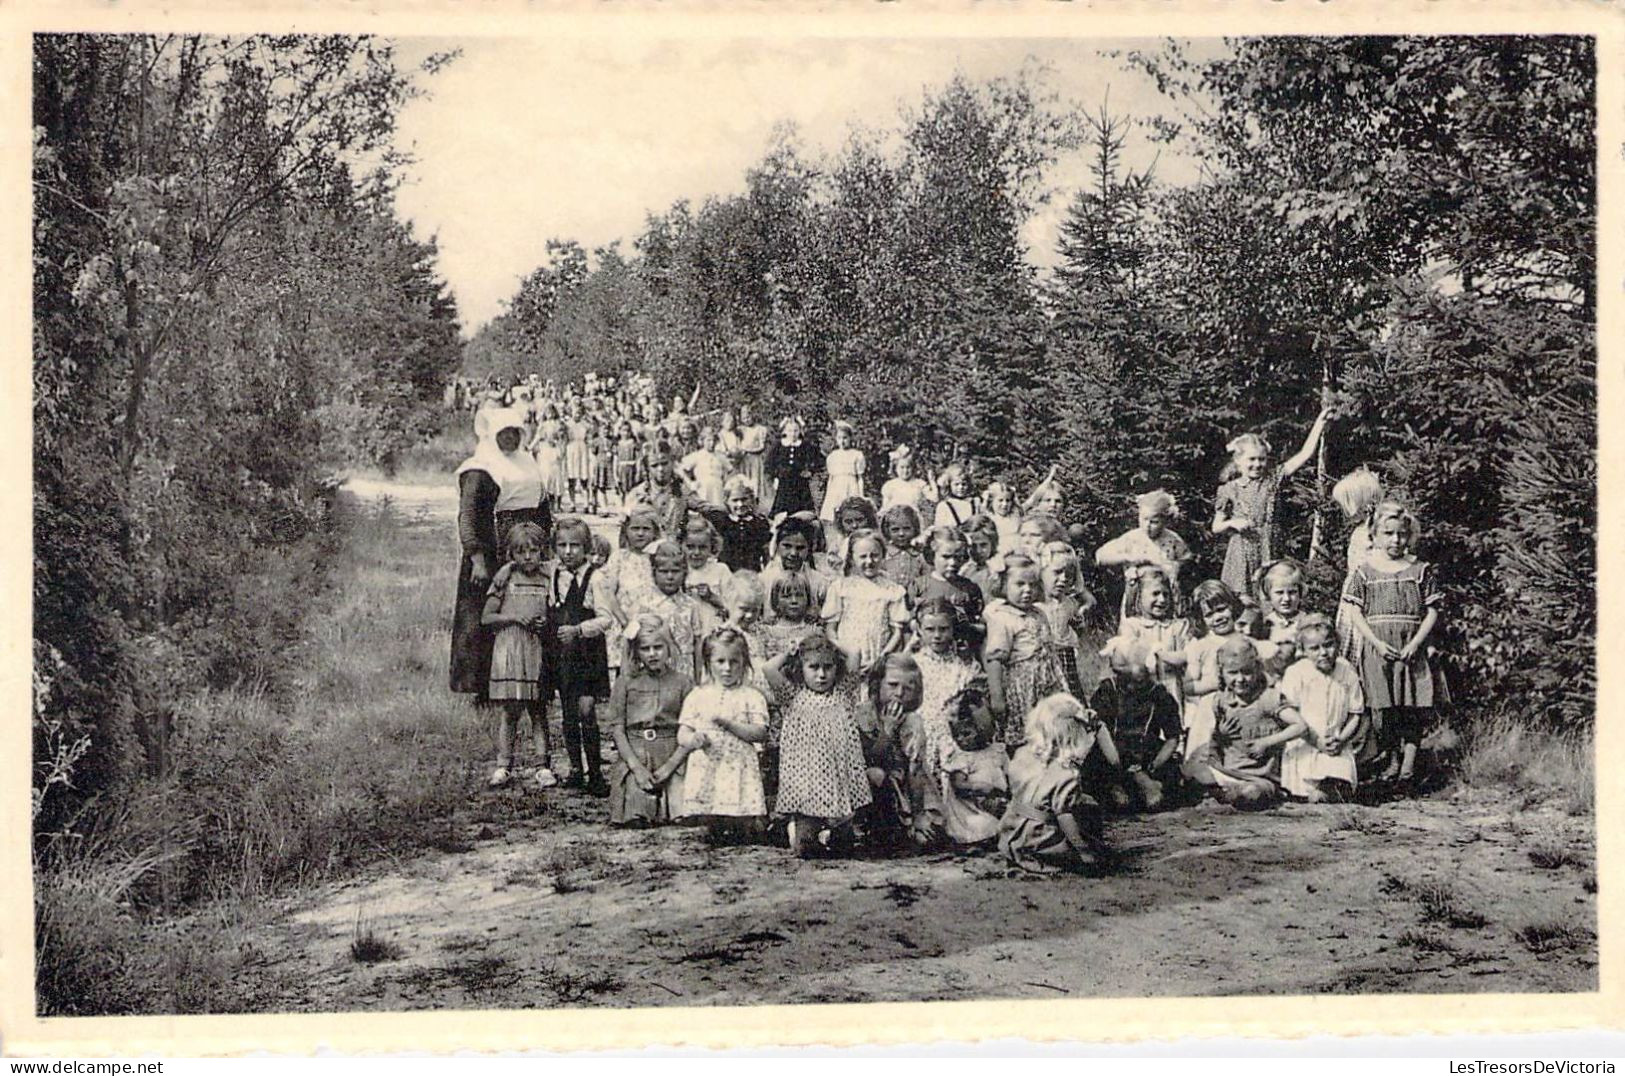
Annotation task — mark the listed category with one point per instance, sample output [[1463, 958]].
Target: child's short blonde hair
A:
[[1060, 729], [737, 484], [1394, 510], [665, 550], [745, 587], [1357, 492], [1159, 502], [698, 525], [1315, 624], [1247, 442]]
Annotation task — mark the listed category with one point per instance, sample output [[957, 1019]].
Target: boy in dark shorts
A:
[[580, 654]]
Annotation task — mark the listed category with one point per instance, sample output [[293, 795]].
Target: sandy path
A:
[[537, 903]]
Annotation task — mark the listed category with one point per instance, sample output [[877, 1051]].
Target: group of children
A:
[[867, 679], [595, 446]]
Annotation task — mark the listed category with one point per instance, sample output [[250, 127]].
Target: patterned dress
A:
[[725, 776], [1023, 640], [1394, 604], [1253, 500], [681, 612], [821, 768], [627, 579], [517, 655], [862, 613], [942, 678]]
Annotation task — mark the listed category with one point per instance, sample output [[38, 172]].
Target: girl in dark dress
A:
[[792, 462]]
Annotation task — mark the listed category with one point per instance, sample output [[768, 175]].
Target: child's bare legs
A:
[[507, 731]]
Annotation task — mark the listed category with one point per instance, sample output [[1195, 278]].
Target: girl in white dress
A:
[[844, 467], [1326, 692], [904, 487], [1005, 514], [865, 612], [704, 471], [722, 722]]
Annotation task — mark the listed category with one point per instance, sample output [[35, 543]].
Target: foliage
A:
[[223, 314], [1399, 227]]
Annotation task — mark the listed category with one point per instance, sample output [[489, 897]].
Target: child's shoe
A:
[[545, 778], [575, 780], [597, 787], [499, 778]]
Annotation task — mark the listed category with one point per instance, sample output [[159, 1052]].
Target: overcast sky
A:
[[523, 140]]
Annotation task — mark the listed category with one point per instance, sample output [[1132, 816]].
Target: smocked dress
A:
[[517, 654], [1030, 834], [1240, 498], [1324, 701], [1023, 640], [821, 767], [725, 776], [1394, 604], [650, 708], [844, 467]]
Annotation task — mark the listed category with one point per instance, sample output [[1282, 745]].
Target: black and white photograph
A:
[[639, 521]]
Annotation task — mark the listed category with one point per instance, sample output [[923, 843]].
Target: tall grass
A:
[[367, 755], [1507, 750]]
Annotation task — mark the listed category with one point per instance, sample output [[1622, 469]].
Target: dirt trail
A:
[[535, 902]]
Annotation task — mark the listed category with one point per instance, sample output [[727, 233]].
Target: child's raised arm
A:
[[773, 672], [1292, 465], [1032, 496]]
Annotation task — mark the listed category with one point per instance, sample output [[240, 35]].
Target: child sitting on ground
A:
[[1051, 824], [1251, 722], [973, 786], [1143, 722]]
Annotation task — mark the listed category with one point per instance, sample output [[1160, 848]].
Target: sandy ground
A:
[[534, 902]]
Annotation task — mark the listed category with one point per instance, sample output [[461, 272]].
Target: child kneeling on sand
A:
[[1241, 763]]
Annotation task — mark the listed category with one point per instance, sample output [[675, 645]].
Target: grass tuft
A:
[[1553, 937], [369, 948]]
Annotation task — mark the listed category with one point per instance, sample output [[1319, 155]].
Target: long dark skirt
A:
[[470, 642]]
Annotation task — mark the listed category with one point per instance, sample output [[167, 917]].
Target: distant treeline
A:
[[1403, 226]]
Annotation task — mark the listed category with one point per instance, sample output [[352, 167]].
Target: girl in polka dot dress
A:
[[823, 782]]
